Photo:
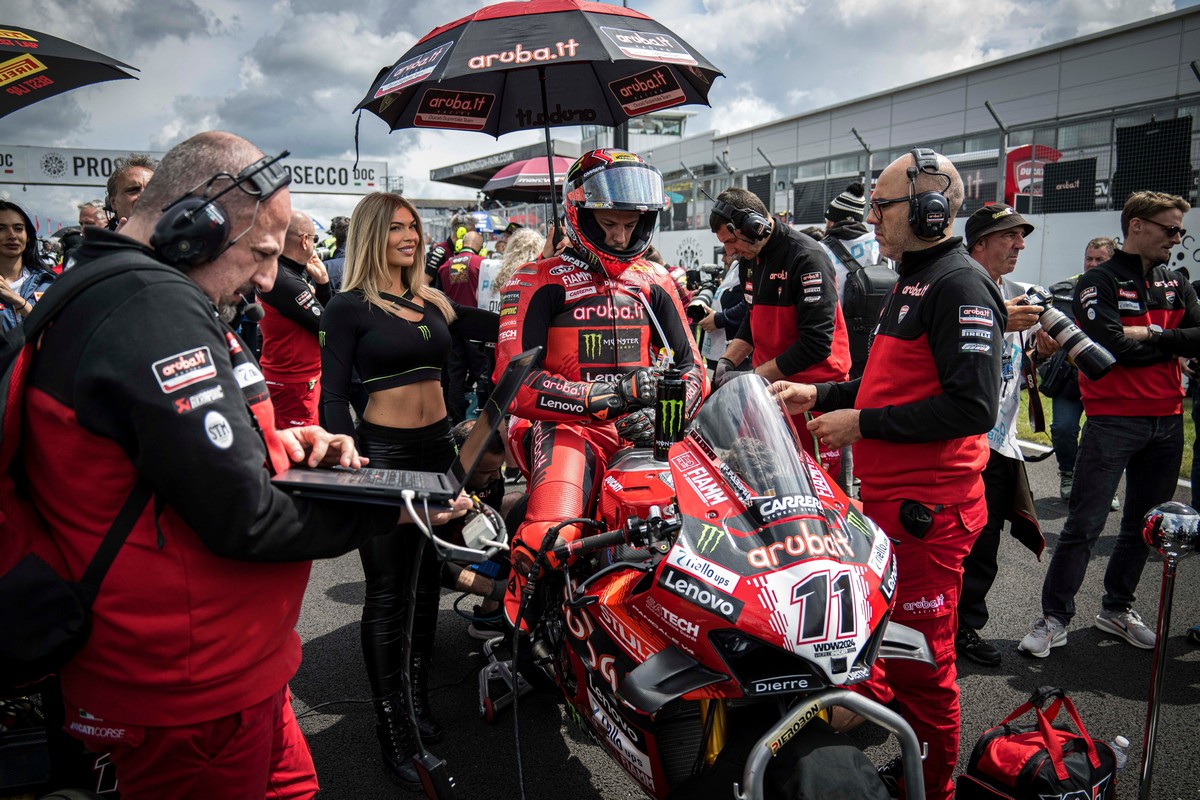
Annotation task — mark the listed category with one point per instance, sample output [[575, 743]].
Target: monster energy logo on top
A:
[[593, 344], [710, 537], [424, 329], [670, 415]]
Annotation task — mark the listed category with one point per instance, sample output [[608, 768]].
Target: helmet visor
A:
[[633, 188]]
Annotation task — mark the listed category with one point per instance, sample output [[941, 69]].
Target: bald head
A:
[[190, 165], [301, 237], [892, 230], [473, 241]]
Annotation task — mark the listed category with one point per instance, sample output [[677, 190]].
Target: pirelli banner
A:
[[57, 166]]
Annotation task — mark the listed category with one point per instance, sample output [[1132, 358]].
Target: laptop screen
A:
[[490, 416]]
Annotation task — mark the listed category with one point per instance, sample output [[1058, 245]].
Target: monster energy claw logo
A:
[[710, 537], [424, 329], [321, 338], [592, 342], [670, 417]]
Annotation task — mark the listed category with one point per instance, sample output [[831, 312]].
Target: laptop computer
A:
[[386, 486]]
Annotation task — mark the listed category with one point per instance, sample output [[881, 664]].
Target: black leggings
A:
[[387, 559]]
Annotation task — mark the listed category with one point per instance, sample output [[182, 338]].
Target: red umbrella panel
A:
[[526, 180], [35, 66]]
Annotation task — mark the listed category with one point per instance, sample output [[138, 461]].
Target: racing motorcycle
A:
[[733, 595]]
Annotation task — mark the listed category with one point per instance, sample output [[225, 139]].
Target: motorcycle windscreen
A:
[[744, 424]]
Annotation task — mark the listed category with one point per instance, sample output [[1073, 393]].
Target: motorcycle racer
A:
[[590, 309]]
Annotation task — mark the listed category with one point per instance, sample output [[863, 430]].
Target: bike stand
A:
[[498, 670]]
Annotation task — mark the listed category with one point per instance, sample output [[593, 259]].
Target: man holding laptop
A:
[[184, 678]]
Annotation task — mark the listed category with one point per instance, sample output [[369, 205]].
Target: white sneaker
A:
[[1047, 633], [1129, 626]]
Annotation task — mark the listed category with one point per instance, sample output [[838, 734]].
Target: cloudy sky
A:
[[288, 73]]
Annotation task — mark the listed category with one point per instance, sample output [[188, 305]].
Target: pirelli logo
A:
[[20, 67]]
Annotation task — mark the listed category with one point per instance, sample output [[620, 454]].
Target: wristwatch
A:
[[1155, 334]]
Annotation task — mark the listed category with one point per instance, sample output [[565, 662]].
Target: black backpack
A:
[[863, 297]]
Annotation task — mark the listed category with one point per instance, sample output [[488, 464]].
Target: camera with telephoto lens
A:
[[1093, 360], [704, 282]]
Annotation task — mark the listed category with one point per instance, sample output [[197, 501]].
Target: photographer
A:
[[1067, 406], [995, 238], [1147, 316]]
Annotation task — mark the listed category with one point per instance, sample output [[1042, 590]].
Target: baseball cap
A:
[[996, 217]]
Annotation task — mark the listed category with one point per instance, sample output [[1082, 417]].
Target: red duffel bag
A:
[[1043, 759]]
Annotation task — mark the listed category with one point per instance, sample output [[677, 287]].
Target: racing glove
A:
[[725, 372], [638, 427], [607, 401]]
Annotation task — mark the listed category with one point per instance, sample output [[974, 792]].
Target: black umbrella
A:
[[540, 64], [35, 65]]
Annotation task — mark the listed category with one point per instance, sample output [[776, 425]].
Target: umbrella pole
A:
[[549, 144]]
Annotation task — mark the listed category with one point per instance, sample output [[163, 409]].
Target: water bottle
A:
[[1120, 748]]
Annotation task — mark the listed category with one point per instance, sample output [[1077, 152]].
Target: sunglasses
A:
[[1171, 230]]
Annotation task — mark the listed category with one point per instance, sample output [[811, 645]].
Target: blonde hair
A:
[[366, 255], [523, 246]]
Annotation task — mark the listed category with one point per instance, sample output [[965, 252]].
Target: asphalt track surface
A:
[[1108, 679]]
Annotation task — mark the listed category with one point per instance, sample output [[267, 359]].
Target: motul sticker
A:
[[463, 111], [647, 91], [184, 369]]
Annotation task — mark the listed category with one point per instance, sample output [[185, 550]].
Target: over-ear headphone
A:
[[928, 212], [193, 229], [753, 225]]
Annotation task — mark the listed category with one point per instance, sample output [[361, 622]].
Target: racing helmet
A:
[[611, 180]]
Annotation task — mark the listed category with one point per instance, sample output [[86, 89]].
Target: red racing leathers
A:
[[594, 330], [927, 398]]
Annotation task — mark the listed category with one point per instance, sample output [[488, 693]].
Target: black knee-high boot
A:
[[429, 592], [396, 742]]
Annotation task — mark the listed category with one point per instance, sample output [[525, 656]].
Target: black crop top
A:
[[385, 350]]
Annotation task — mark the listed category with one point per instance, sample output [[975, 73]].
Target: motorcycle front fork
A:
[[717, 728]]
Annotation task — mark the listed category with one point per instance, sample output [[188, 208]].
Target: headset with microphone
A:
[[751, 224], [194, 228], [928, 212]]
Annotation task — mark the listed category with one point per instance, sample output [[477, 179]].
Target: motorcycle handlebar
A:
[[590, 544]]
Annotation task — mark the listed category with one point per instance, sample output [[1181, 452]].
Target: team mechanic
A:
[[184, 678], [291, 356], [795, 330], [918, 419], [588, 309]]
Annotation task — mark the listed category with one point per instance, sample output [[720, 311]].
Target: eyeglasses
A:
[[1171, 230], [877, 204]]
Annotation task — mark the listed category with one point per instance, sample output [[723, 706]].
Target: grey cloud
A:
[[117, 29]]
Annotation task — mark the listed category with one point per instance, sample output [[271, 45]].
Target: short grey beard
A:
[[228, 312]]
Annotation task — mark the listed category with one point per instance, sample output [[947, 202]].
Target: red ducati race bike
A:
[[733, 595]]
